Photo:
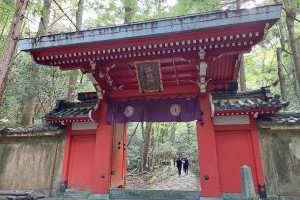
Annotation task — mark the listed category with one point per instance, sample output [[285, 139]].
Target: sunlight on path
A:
[[184, 182]]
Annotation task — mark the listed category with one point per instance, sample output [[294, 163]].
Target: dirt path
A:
[[188, 182]]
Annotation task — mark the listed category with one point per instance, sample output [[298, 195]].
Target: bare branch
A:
[[77, 29], [129, 141], [287, 12]]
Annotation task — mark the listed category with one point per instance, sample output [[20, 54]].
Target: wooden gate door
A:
[[234, 149], [118, 162], [81, 161]]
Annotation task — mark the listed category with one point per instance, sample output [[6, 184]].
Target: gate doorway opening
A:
[[152, 153]]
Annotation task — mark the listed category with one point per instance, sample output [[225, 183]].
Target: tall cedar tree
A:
[[74, 73], [30, 101], [291, 13], [11, 42]]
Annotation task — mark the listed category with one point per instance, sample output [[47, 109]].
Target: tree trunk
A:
[[11, 42], [295, 84], [72, 86], [141, 147], [283, 47], [173, 133], [152, 152], [30, 100], [281, 34], [129, 8], [141, 156], [73, 76], [242, 78], [280, 74], [79, 14], [293, 44], [146, 144], [290, 19]]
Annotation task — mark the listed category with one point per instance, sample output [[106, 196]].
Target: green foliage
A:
[[49, 87], [163, 146], [108, 12], [7, 9], [260, 65], [184, 7]]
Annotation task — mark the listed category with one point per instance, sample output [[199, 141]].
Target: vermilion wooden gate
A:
[[166, 61], [81, 161], [234, 149]]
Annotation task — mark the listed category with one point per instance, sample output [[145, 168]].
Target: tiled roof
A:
[[284, 118], [32, 130], [155, 27], [261, 101], [71, 111]]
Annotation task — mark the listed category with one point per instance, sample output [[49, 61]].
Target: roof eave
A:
[[154, 28]]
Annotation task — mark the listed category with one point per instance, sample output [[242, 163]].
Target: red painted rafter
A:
[[189, 90], [188, 56], [212, 48], [165, 77], [93, 49], [125, 70], [221, 47]]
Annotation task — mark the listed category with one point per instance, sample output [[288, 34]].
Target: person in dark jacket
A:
[[179, 164], [186, 166]]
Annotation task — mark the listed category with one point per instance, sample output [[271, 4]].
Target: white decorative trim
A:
[[212, 106], [202, 71], [84, 125], [234, 119], [90, 115]]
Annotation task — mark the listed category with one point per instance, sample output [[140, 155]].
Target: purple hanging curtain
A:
[[155, 110]]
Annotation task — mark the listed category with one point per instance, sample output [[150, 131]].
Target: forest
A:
[[28, 91]]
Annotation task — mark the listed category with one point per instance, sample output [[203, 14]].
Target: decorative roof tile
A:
[[261, 101], [72, 111]]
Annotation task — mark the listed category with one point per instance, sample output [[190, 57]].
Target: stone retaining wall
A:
[[31, 161], [280, 149]]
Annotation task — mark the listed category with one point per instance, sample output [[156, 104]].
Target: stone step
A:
[[147, 199], [64, 198], [127, 194], [73, 193]]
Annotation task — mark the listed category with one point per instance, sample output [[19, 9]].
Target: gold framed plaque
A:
[[149, 76]]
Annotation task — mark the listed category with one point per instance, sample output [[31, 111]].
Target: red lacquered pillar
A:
[[207, 152], [103, 153], [261, 187]]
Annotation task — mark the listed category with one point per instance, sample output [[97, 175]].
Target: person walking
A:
[[179, 164], [186, 166]]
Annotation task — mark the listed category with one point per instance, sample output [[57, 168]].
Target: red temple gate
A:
[[188, 64]]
